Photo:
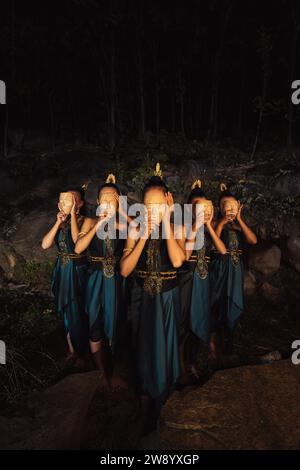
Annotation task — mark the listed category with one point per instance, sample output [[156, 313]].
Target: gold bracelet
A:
[[127, 249]]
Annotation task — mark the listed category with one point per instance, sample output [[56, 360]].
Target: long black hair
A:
[[196, 192], [224, 192], [155, 182], [109, 183]]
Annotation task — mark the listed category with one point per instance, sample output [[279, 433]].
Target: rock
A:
[[9, 259], [288, 185], [250, 284], [22, 245], [265, 258], [28, 235], [237, 409], [7, 185], [77, 412], [194, 169], [271, 293], [271, 357], [293, 251], [56, 416]]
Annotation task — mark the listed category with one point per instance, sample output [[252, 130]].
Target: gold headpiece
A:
[[157, 171], [196, 184], [85, 185], [223, 187], [111, 179]]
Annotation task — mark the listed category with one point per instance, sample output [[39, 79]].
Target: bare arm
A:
[[219, 245], [250, 236], [74, 222], [48, 239], [215, 238], [131, 254], [85, 236], [175, 251]]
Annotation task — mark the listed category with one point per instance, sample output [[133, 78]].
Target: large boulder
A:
[[251, 407], [77, 412], [55, 417], [264, 258], [250, 284], [288, 185], [293, 251]]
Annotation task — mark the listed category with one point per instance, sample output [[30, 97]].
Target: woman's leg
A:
[[101, 355], [71, 349]]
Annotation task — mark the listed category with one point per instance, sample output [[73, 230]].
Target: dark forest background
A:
[[108, 72]]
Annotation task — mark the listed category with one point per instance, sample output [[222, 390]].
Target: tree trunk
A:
[[142, 126], [156, 82], [241, 101], [52, 124], [112, 94], [295, 32], [213, 116]]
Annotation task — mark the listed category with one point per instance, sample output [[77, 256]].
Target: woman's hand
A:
[[210, 218], [239, 214], [60, 218], [170, 201], [74, 208]]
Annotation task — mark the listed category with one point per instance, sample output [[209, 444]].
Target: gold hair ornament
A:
[[196, 184], [85, 185], [111, 179], [223, 187], [157, 171]]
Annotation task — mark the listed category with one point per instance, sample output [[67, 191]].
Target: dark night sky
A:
[[93, 68]]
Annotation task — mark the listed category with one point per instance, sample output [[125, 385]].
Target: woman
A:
[[194, 279], [227, 272], [155, 311], [101, 238], [69, 274]]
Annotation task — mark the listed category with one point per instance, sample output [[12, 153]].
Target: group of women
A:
[[176, 296]]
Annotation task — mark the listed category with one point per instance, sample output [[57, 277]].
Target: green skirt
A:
[[155, 326]]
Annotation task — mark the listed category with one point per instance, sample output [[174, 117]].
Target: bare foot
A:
[[117, 382]]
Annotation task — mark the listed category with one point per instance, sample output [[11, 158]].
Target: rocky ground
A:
[[36, 372]]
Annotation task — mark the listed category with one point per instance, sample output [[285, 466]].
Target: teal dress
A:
[[194, 285], [68, 287], [104, 304], [155, 316], [227, 280]]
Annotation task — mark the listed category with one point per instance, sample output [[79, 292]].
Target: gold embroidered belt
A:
[[193, 258], [164, 275], [234, 251], [65, 258], [107, 264], [71, 255], [96, 258]]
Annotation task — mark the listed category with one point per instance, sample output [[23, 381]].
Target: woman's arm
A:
[[175, 251], [74, 222], [131, 254], [85, 236], [48, 239], [219, 244], [250, 236]]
